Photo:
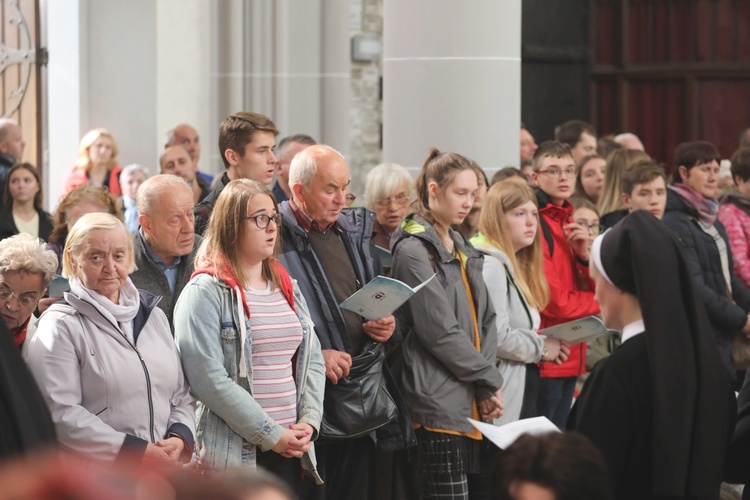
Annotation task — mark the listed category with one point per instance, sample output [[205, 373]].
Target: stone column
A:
[[452, 79]]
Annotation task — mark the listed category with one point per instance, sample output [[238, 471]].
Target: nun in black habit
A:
[[660, 408]]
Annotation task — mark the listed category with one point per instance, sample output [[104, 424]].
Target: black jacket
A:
[[8, 227], [149, 277], [204, 209], [702, 255]]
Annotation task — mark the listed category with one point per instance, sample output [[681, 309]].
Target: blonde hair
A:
[[618, 161], [22, 253], [84, 160], [528, 262], [79, 235], [228, 223]]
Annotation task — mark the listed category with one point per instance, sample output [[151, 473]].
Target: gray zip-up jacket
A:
[[108, 396], [443, 372]]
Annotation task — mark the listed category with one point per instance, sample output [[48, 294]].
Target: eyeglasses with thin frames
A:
[[400, 200], [263, 220], [556, 172], [26, 301], [591, 228]]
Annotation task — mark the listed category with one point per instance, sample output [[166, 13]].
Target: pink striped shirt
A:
[[276, 334]]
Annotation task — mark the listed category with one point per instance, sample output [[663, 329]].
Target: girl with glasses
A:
[[248, 344]]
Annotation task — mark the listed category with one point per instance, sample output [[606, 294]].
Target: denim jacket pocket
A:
[[230, 345]]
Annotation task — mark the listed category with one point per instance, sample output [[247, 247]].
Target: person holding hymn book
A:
[[661, 407], [510, 239]]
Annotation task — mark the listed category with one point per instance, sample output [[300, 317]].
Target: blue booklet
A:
[[380, 297]]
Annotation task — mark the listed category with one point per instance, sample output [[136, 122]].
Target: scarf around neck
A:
[[121, 313], [707, 207]]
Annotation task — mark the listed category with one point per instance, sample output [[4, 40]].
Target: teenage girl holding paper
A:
[[513, 272], [449, 372]]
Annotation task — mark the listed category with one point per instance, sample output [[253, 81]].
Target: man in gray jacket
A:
[[166, 243]]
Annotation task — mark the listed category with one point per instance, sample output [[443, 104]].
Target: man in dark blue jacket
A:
[[328, 251]]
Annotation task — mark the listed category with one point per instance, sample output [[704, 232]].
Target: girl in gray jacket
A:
[[449, 372]]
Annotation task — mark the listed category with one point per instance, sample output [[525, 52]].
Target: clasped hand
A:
[[294, 441]]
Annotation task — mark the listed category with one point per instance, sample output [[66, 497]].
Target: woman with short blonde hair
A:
[[105, 358]]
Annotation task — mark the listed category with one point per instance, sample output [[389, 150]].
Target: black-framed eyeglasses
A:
[[591, 228], [263, 220]]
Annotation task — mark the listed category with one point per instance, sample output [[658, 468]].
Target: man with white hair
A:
[[166, 243], [329, 251], [11, 148], [629, 140]]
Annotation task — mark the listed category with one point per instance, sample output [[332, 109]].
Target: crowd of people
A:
[[193, 325]]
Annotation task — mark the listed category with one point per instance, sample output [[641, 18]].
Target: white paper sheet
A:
[[505, 435]]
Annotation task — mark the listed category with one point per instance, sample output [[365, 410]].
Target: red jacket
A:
[[79, 176], [562, 269]]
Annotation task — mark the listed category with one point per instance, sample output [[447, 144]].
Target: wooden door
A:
[[20, 66]]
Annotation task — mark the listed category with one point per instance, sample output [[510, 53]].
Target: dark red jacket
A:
[[563, 270]]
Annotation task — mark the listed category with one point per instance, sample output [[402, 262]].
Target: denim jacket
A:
[[227, 414]]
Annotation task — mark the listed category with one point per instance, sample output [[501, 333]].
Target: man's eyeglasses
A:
[[263, 220], [401, 200], [592, 228], [26, 301], [555, 172]]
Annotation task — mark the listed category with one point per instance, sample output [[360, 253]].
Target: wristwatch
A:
[[544, 352]]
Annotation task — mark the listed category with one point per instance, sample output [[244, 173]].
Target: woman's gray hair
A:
[[133, 168], [384, 180], [22, 253], [79, 235], [303, 166]]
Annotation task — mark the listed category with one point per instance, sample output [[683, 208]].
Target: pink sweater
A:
[[737, 223]]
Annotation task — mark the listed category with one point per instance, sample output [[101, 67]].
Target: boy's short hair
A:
[[238, 129], [571, 131], [640, 172], [553, 149], [741, 164]]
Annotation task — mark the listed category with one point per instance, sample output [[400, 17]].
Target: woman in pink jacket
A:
[[734, 213]]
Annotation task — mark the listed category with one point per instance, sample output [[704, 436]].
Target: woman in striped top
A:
[[247, 343]]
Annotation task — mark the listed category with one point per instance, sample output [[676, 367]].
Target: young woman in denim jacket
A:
[[248, 345]]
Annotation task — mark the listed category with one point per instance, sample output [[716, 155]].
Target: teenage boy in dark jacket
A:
[[566, 264]]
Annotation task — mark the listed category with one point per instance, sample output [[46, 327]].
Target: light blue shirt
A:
[[169, 271], [131, 214]]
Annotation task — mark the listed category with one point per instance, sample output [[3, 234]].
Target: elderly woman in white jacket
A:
[[509, 236], [105, 360]]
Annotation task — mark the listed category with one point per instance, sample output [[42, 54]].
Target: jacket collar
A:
[[351, 220], [414, 225], [545, 205]]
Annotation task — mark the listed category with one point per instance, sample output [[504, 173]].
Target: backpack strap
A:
[[547, 232]]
